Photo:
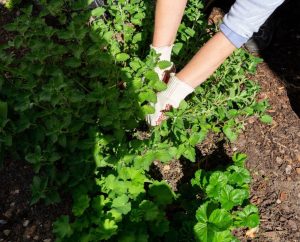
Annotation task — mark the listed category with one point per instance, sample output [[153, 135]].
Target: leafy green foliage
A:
[[224, 191], [75, 86]]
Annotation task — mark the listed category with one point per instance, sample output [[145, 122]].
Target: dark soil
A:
[[273, 154], [20, 222]]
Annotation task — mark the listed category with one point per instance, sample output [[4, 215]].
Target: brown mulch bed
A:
[[274, 162]]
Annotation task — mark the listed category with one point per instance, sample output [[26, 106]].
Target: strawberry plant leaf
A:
[[248, 217], [122, 204], [62, 228], [161, 193]]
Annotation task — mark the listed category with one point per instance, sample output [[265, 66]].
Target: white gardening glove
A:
[[176, 91]]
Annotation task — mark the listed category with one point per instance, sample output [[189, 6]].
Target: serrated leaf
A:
[[230, 134], [230, 197], [150, 210], [249, 216], [80, 204], [164, 64], [161, 193], [177, 48], [217, 181], [238, 175], [122, 57], [221, 219], [267, 119], [152, 76], [163, 156], [97, 12], [239, 159], [62, 228], [147, 109], [122, 204]]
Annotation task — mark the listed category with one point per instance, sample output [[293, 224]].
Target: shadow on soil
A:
[[283, 54]]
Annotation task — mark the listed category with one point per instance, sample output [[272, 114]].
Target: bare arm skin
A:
[[207, 60], [168, 16]]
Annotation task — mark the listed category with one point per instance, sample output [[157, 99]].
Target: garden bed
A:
[[273, 159]]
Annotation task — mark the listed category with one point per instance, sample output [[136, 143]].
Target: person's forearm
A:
[[207, 60], [168, 15]]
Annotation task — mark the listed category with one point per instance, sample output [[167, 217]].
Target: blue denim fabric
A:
[[245, 18], [236, 39]]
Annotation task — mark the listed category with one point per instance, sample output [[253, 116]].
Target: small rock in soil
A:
[[8, 213], [282, 219], [293, 225], [36, 237], [288, 169], [279, 160], [298, 171], [25, 223], [29, 231], [283, 196], [47, 240], [2, 222], [166, 168], [6, 232], [251, 233], [278, 201]]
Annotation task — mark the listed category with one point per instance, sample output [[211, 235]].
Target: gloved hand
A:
[[176, 91]]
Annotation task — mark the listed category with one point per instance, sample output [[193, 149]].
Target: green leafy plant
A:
[[224, 192]]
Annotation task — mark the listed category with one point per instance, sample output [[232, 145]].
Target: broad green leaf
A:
[[205, 210], [152, 76], [163, 156], [190, 153], [80, 204], [239, 159], [147, 109], [230, 134], [164, 64], [97, 12], [149, 210], [122, 204], [217, 181], [249, 217], [230, 197], [221, 219], [177, 48], [122, 57], [238, 176], [211, 222], [161, 193], [62, 227], [266, 119]]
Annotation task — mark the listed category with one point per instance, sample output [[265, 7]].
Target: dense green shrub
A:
[[75, 87]]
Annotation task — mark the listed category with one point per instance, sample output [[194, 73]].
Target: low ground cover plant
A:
[[75, 87]]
